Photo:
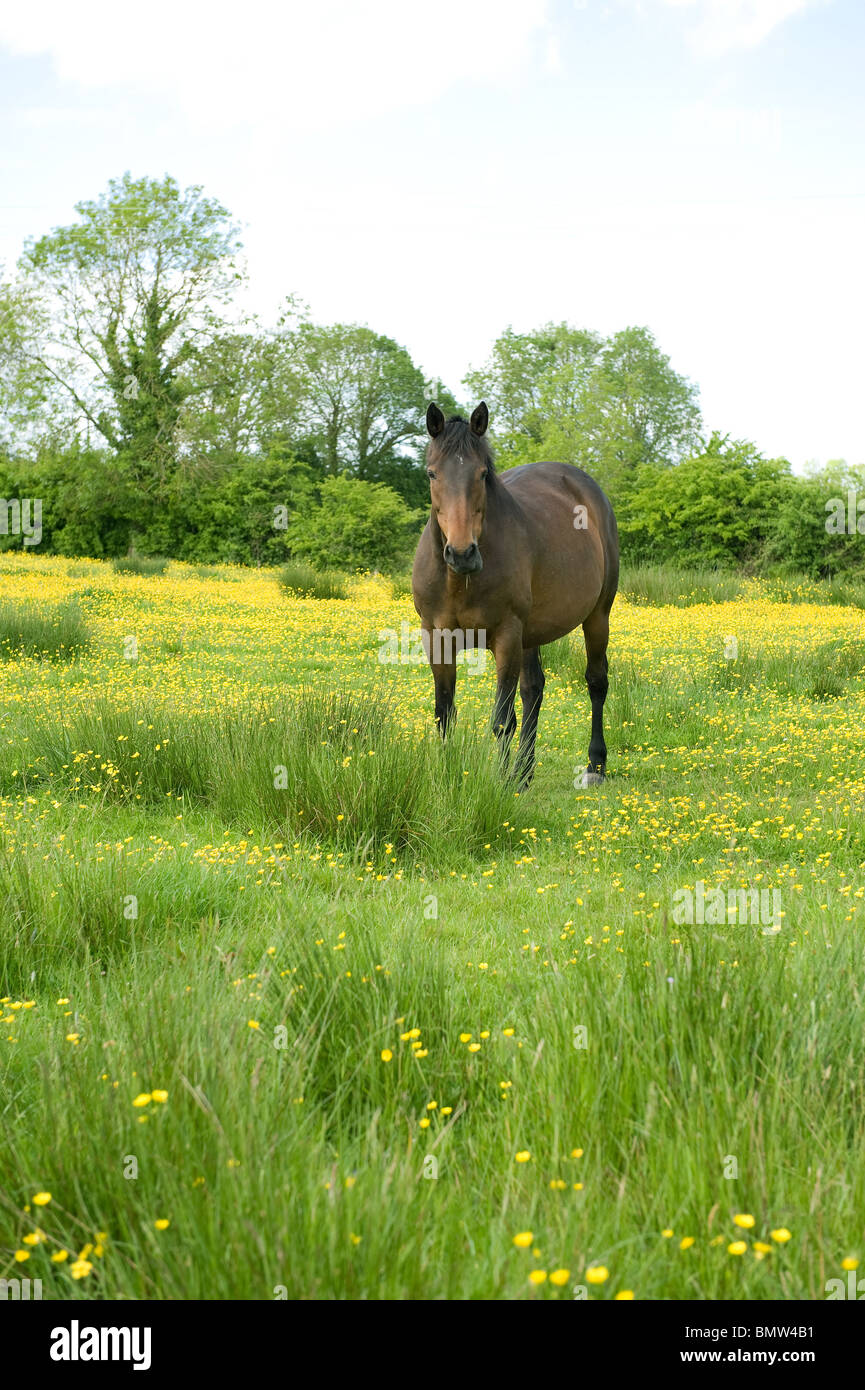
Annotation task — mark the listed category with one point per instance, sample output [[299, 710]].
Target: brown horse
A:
[[520, 558]]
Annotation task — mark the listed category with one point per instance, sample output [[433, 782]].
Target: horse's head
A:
[[460, 470]]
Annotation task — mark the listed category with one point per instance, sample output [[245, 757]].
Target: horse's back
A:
[[558, 499]]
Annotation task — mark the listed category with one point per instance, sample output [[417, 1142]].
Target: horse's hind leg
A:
[[596, 630], [531, 694]]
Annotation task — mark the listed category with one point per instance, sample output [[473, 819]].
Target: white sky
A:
[[440, 171]]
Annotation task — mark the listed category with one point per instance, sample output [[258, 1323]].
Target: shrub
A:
[[355, 525]]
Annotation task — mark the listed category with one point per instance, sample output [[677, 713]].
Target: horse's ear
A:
[[480, 419], [435, 421]]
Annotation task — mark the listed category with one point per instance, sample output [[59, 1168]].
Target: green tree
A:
[[121, 302], [608, 405], [362, 399]]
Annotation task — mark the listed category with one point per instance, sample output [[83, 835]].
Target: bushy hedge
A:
[[726, 507]]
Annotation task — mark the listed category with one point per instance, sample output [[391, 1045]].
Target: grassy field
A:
[[298, 1003]]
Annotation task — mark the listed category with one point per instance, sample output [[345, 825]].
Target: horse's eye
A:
[[431, 476]]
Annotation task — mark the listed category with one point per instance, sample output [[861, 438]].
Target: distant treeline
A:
[[146, 414]]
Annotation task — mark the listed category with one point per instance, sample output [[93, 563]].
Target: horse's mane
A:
[[457, 437]]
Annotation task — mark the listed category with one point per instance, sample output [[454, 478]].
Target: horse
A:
[[520, 557]]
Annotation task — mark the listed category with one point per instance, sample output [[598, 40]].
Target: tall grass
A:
[[659, 584], [335, 767], [59, 633], [147, 565], [302, 581]]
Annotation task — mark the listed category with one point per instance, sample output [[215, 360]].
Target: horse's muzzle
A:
[[464, 561]]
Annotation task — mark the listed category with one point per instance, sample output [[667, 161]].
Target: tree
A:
[[121, 302], [242, 398], [608, 405], [362, 398]]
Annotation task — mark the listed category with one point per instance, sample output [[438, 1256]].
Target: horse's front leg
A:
[[508, 650], [445, 679], [531, 694]]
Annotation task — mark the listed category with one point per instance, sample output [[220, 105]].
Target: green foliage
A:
[[607, 405], [355, 525], [361, 396], [129, 291], [712, 510]]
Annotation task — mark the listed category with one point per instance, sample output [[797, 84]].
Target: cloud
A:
[[724, 25], [312, 66]]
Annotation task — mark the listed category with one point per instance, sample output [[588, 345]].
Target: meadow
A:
[[299, 1003]]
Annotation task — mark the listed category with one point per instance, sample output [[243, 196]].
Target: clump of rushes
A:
[[302, 581], [58, 633]]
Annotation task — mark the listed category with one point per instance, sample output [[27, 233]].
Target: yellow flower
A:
[[780, 1235], [42, 1199], [32, 1239], [252, 1023], [538, 1276], [624, 1296], [465, 1037], [738, 1247], [667, 1232], [386, 1054], [160, 1096], [80, 1269], [162, 1224], [576, 1153], [849, 1262], [523, 1239], [508, 1032], [424, 1123], [22, 1255], [144, 1098], [762, 1248], [560, 1276], [446, 1110], [597, 1274], [355, 1240], [59, 1256], [523, 1156], [744, 1220], [686, 1242], [474, 1047]]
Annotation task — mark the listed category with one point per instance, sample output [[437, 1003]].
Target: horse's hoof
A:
[[592, 779]]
